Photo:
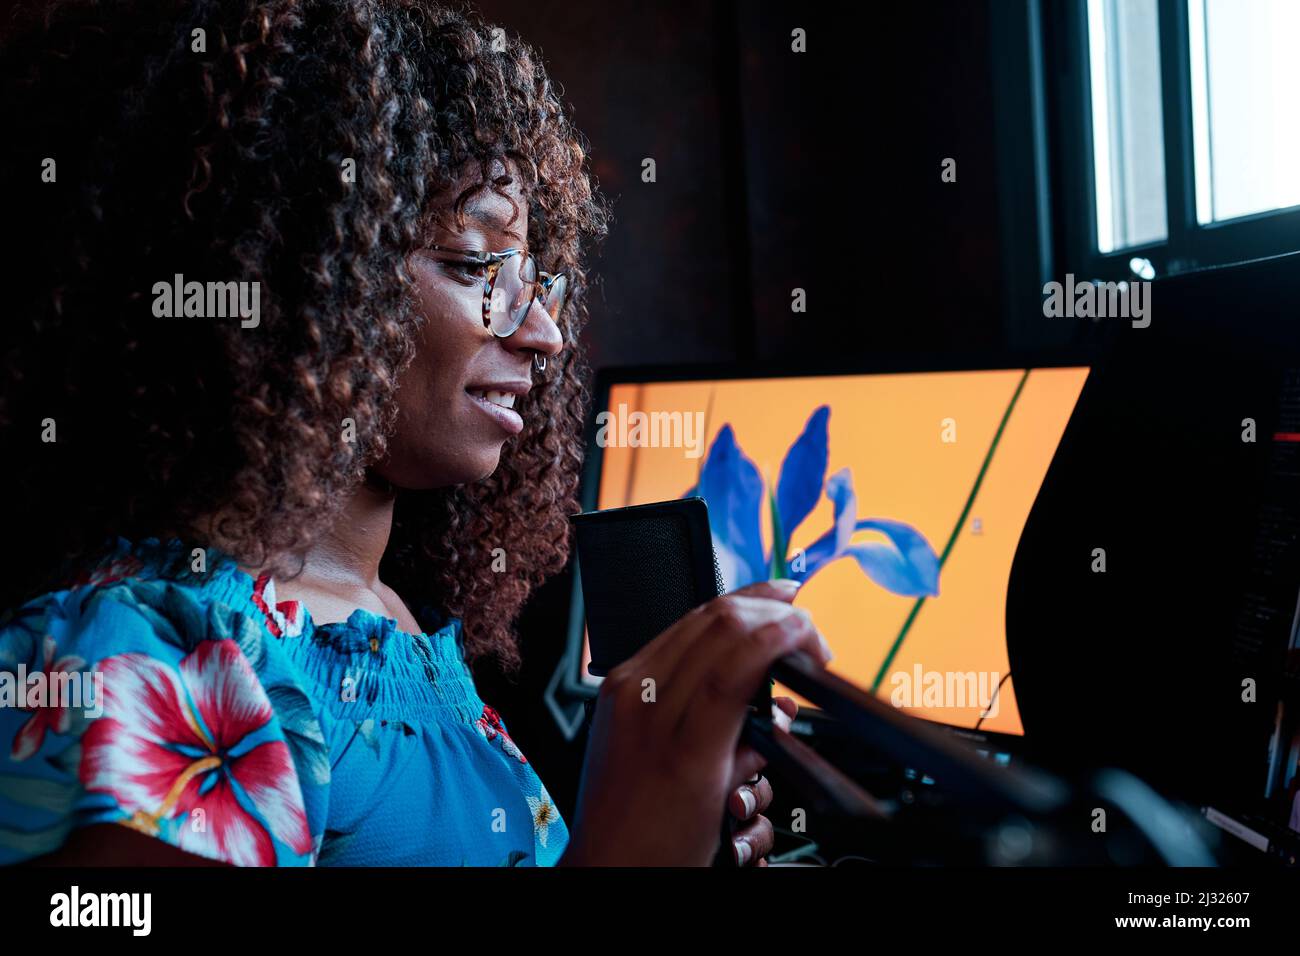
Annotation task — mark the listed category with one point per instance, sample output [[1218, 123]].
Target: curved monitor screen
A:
[[898, 499]]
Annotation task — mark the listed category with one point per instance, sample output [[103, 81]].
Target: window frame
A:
[[1189, 246]]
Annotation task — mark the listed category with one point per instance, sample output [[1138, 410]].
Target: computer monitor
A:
[[897, 497]]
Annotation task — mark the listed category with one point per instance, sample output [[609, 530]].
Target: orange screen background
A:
[[887, 429]]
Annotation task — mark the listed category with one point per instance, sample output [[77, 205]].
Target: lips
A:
[[498, 399]]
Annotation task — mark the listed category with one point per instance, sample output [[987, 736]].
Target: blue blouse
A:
[[187, 703]]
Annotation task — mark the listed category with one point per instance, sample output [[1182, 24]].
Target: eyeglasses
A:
[[511, 284]]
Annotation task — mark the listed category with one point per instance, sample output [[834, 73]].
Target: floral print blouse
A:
[[196, 708]]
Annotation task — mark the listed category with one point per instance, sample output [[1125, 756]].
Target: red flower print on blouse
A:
[[54, 714], [109, 572], [283, 618], [491, 727], [172, 743]]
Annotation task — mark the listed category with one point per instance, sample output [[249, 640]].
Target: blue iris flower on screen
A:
[[903, 563]]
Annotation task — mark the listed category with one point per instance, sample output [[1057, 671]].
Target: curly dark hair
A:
[[219, 154]]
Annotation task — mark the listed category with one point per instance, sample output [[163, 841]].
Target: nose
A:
[[538, 334]]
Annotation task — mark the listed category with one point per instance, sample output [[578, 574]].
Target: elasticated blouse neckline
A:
[[369, 659], [366, 659]]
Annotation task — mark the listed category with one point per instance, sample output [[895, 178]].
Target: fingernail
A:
[[748, 799], [743, 852], [790, 585], [830, 655]]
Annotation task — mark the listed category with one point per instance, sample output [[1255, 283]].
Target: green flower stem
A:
[[779, 544], [952, 539]]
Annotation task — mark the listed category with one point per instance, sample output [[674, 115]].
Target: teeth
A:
[[504, 399]]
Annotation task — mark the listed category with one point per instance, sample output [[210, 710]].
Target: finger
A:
[[747, 765], [780, 589], [681, 662], [753, 841], [719, 683], [668, 651], [750, 798], [658, 661], [660, 658], [784, 710], [721, 678]]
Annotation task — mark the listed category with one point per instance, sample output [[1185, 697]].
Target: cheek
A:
[[438, 438], [444, 346], [447, 337]]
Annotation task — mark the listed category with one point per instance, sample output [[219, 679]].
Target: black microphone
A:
[[642, 569]]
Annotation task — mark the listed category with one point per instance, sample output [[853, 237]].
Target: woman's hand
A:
[[752, 843], [663, 757]]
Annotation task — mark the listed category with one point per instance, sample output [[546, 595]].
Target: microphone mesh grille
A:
[[638, 582]]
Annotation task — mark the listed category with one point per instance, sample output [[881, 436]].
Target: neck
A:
[[351, 550]]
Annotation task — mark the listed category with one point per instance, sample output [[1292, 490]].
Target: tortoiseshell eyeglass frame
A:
[[493, 261]]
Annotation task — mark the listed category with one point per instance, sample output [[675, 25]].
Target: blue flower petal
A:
[[803, 471], [907, 565], [732, 487], [839, 488], [815, 557], [735, 572]]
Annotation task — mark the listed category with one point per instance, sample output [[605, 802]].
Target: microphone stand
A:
[[1053, 809]]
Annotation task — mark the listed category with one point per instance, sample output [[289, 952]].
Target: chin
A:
[[427, 475], [489, 467], [476, 464]]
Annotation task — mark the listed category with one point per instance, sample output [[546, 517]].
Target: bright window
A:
[[1127, 129], [1245, 73]]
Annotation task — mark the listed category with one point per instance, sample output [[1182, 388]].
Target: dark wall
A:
[[779, 170], [644, 82]]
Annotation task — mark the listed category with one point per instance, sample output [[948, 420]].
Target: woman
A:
[[292, 391]]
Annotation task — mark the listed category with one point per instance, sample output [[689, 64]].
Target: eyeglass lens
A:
[[516, 287]]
